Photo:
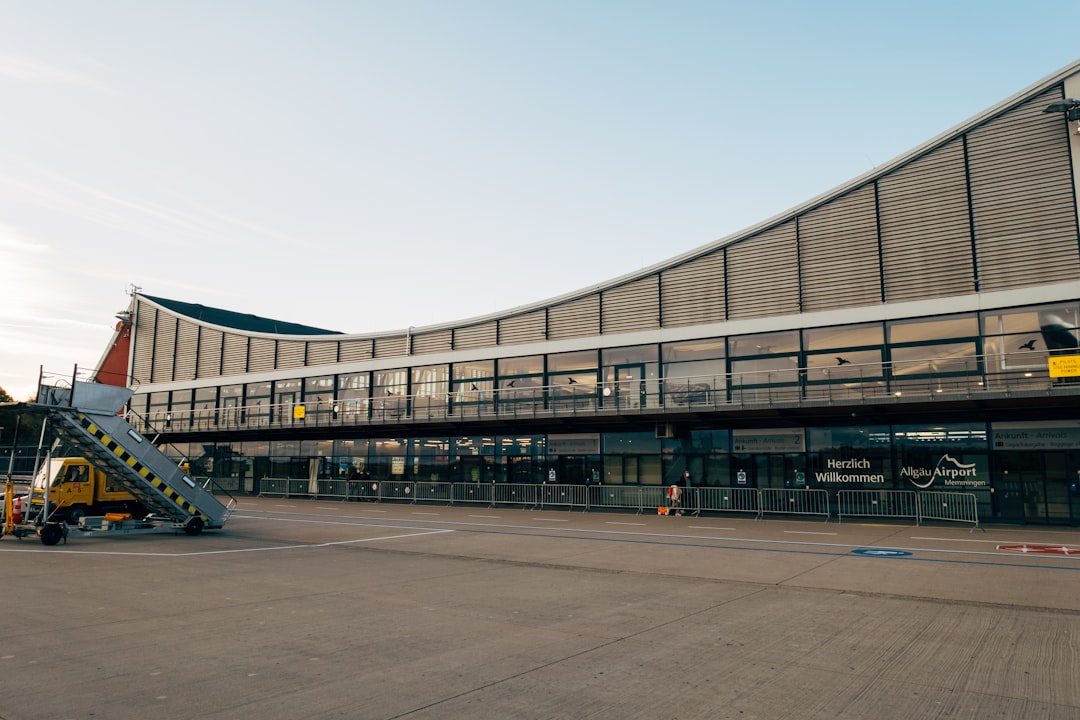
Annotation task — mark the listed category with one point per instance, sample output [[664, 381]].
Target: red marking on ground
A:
[[1040, 549]]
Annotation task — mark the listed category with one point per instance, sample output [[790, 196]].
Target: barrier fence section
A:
[[794, 502], [949, 506], [876, 503], [744, 500], [894, 504]]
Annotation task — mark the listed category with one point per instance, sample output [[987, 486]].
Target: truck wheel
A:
[[194, 526], [51, 534], [75, 513]]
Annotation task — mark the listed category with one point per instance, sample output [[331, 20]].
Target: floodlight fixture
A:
[[1069, 106]]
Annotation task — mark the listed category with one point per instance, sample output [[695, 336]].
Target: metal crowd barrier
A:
[[948, 506], [877, 503], [894, 504], [781, 501], [731, 499]]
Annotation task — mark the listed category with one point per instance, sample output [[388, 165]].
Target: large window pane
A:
[[776, 343], [923, 330]]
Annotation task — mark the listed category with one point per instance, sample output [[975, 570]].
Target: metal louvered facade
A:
[[261, 354], [763, 274], [234, 354], [693, 293], [925, 227], [432, 342], [142, 350], [634, 306], [164, 348], [475, 336], [576, 318], [290, 354], [210, 345], [322, 352], [529, 327], [838, 244], [187, 350], [1022, 199]]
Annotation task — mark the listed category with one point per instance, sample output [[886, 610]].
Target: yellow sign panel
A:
[[298, 412], [1064, 366]]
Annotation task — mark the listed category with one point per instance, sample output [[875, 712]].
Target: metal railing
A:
[[881, 383], [752, 502]]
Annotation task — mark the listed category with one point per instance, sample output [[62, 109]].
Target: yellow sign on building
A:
[[1064, 366], [298, 412]]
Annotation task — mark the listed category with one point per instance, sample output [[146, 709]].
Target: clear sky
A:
[[377, 164]]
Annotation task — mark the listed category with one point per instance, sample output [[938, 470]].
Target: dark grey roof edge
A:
[[231, 320]]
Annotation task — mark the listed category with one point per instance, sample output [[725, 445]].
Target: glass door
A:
[[630, 391]]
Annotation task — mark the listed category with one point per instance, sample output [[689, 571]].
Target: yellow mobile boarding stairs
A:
[[86, 416]]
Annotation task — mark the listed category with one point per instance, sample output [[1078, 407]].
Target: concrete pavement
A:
[[314, 609]]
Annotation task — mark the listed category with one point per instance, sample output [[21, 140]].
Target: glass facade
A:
[[656, 411]]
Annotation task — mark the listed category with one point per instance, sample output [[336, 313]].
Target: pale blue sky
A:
[[367, 166]]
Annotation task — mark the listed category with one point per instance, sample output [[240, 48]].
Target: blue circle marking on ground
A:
[[881, 552]]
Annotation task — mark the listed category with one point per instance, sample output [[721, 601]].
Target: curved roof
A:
[[237, 321]]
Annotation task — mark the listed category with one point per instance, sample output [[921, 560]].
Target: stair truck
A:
[[78, 489], [85, 415]]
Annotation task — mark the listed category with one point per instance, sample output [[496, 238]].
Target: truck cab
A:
[[78, 489]]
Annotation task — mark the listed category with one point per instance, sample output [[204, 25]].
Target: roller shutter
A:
[[577, 318], [630, 307], [1022, 198], [526, 328], [693, 293], [838, 249], [925, 230], [763, 275]]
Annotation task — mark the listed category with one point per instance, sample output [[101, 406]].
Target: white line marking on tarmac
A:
[[609, 522], [248, 550], [708, 527], [490, 517], [549, 519], [426, 513], [804, 532]]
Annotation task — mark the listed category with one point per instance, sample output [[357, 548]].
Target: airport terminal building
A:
[[913, 329]]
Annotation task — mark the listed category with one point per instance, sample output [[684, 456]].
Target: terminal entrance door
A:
[[1034, 487]]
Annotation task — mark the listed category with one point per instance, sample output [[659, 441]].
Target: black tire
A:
[[194, 526], [51, 534], [75, 513]]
